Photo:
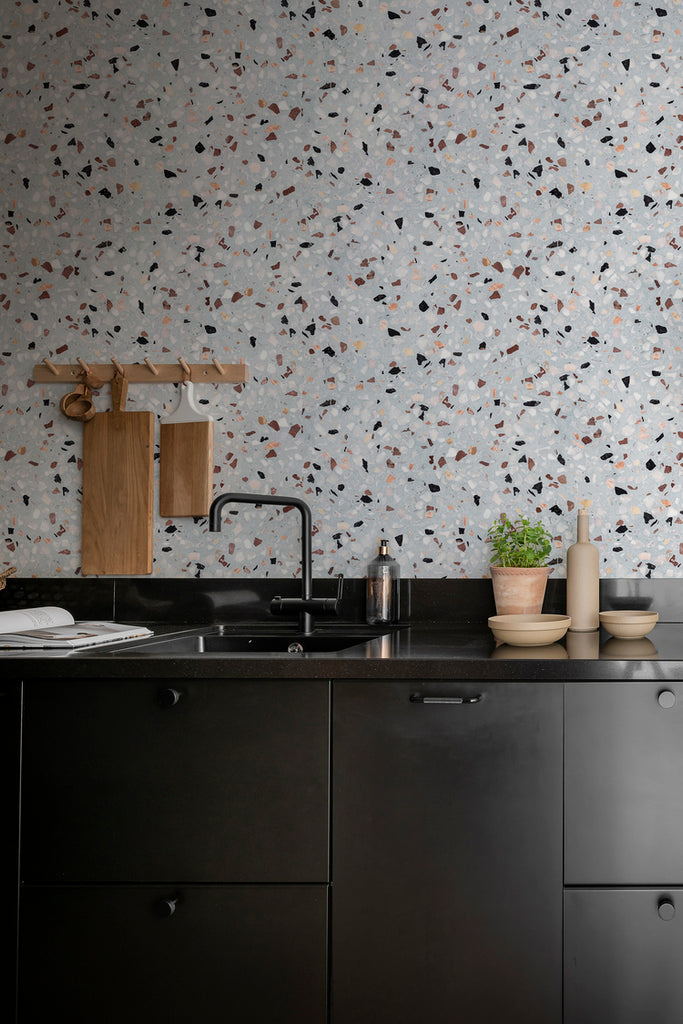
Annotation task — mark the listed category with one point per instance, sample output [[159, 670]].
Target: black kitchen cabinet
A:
[[186, 954], [174, 851], [623, 853], [10, 719], [447, 852], [623, 956], [623, 793], [202, 781]]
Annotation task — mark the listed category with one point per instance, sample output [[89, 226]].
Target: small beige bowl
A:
[[529, 630], [629, 625]]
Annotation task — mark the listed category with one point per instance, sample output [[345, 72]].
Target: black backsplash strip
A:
[[85, 598], [205, 601], [211, 601]]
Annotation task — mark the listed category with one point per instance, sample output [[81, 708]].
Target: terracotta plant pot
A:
[[519, 591]]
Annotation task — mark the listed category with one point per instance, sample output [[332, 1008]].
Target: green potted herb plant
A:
[[519, 569]]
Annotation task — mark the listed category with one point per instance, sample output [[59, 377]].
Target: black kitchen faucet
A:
[[306, 605]]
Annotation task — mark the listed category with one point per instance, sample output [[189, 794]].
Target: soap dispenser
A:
[[382, 587], [583, 580]]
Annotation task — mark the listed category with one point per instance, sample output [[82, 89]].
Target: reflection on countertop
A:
[[629, 650], [548, 652], [464, 643], [421, 651], [427, 643]]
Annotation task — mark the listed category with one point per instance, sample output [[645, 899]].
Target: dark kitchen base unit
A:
[[623, 908], [176, 853], [432, 833]]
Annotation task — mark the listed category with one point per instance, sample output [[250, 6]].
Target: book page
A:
[[34, 618]]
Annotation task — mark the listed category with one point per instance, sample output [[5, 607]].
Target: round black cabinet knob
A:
[[666, 699], [168, 697], [166, 908], [666, 909]]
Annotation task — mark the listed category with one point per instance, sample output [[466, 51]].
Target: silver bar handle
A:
[[417, 698]]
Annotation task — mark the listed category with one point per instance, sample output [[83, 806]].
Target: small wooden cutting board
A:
[[118, 489], [186, 460]]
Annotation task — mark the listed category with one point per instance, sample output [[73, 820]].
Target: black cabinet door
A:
[[190, 955], [202, 781], [10, 697], [623, 793], [447, 853], [623, 956]]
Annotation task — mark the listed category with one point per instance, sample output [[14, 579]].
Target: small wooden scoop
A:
[[78, 404]]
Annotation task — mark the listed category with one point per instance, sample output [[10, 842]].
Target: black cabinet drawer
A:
[[623, 956], [623, 793], [206, 954], [202, 781]]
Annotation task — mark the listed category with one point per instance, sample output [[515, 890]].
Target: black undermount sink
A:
[[217, 641]]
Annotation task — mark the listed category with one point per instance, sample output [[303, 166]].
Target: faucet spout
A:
[[305, 605]]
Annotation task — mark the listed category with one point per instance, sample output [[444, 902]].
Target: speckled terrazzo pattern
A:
[[446, 240]]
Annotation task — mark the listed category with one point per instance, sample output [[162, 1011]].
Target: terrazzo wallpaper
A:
[[444, 237]]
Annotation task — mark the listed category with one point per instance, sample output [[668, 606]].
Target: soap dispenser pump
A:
[[383, 587]]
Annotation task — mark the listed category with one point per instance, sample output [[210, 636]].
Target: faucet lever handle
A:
[[311, 605]]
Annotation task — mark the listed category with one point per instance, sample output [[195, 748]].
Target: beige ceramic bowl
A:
[[529, 630], [629, 625]]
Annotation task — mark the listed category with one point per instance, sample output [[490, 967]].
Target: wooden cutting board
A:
[[186, 459], [118, 495]]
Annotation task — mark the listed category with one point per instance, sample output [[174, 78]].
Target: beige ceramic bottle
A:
[[583, 579]]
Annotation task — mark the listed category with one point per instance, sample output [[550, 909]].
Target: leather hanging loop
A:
[[88, 376], [119, 392]]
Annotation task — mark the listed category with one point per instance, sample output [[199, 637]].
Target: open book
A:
[[55, 627]]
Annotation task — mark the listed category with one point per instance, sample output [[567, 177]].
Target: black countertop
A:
[[445, 636], [412, 652]]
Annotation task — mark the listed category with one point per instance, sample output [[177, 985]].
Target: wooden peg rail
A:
[[148, 372]]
